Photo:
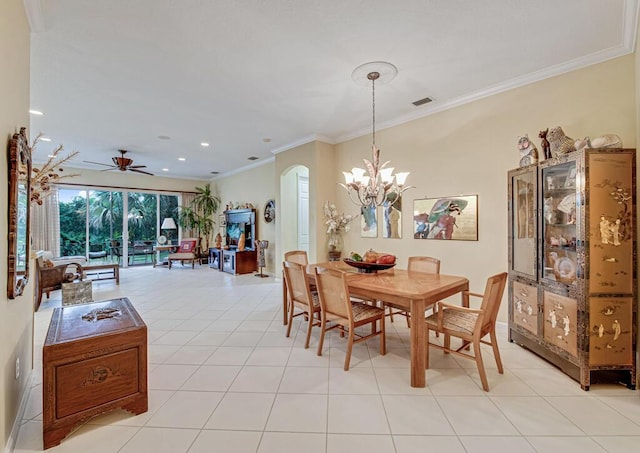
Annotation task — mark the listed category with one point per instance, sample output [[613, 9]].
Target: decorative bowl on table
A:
[[368, 268]]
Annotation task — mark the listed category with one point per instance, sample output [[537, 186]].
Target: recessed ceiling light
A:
[[36, 112], [164, 137], [165, 169], [51, 156], [253, 158], [45, 139], [205, 144], [182, 159], [266, 139]]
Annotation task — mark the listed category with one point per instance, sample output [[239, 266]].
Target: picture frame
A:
[[369, 222], [446, 218], [391, 217]]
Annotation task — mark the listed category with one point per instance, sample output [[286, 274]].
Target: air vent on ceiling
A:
[[215, 172], [253, 158], [422, 102]]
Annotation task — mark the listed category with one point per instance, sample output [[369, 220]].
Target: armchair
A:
[[189, 250], [51, 278]]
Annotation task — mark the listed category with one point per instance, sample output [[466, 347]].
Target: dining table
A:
[[415, 291]]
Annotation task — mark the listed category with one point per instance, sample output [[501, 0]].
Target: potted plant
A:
[[199, 215]]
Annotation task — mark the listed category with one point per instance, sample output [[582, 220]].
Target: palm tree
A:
[[199, 215]]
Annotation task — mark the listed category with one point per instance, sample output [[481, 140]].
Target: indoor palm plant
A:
[[199, 214]]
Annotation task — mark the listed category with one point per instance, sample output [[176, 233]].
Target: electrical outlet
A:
[[17, 367]]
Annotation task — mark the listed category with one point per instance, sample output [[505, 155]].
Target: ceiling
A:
[[255, 77]]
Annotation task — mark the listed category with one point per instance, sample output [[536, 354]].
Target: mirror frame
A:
[[19, 155]]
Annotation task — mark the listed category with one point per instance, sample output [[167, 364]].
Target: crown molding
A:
[[304, 141], [245, 168], [35, 15]]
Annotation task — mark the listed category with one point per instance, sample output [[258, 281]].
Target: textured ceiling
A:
[[118, 74]]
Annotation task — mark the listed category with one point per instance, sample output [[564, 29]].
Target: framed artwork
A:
[[368, 222], [392, 218], [446, 218], [270, 211]]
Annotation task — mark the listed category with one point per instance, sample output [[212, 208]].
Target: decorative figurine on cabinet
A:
[[528, 151], [604, 141], [546, 147], [560, 144]]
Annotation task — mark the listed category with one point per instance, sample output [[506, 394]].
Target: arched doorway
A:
[[294, 213]]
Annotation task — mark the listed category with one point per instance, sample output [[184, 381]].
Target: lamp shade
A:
[[168, 224]]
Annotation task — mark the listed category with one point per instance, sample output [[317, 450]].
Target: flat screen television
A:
[[237, 223]]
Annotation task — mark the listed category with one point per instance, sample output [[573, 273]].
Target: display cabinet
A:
[[572, 267]]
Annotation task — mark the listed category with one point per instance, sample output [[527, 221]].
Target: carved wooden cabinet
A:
[[572, 267]]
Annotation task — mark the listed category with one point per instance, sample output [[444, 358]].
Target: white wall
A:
[[128, 179], [16, 316]]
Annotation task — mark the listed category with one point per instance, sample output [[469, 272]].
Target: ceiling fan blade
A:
[[137, 166], [111, 168], [96, 163], [140, 171]]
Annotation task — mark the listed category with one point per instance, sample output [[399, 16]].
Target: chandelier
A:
[[375, 185]]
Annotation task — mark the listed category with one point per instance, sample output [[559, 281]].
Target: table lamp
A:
[[168, 224]]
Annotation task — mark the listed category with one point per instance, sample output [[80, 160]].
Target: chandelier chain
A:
[[373, 102]]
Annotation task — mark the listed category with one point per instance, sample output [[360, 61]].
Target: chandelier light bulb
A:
[[401, 178]]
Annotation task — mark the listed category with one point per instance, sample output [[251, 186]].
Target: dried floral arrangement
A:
[[50, 173], [336, 223]]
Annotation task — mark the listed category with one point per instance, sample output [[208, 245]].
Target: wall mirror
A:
[[19, 156]]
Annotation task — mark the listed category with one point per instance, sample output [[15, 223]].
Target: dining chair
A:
[[471, 325], [345, 314], [294, 256], [301, 297], [425, 264]]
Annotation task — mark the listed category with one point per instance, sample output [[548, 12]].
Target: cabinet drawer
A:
[[89, 383]]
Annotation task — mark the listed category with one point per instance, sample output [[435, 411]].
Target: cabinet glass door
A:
[[559, 230], [523, 222]]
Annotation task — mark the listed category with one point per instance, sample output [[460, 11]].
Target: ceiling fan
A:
[[123, 164]]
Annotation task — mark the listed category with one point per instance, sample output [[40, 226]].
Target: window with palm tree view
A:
[[99, 232]]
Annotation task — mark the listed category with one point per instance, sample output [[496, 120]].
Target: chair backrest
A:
[[297, 256], [424, 264], [188, 245], [297, 283], [492, 298], [333, 292]]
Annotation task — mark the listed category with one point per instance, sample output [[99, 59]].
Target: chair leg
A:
[[347, 359], [480, 364], [323, 324], [496, 353], [447, 343], [383, 336], [290, 321], [309, 326], [408, 316], [390, 313], [426, 351]]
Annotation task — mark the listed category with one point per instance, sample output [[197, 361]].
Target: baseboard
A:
[[17, 422]]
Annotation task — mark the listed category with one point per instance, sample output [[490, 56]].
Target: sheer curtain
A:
[[187, 199], [45, 224]]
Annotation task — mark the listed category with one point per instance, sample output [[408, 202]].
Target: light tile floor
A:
[[224, 378]]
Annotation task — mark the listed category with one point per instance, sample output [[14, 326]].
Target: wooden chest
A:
[[94, 360]]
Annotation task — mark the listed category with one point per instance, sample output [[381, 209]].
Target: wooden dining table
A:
[[415, 291]]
